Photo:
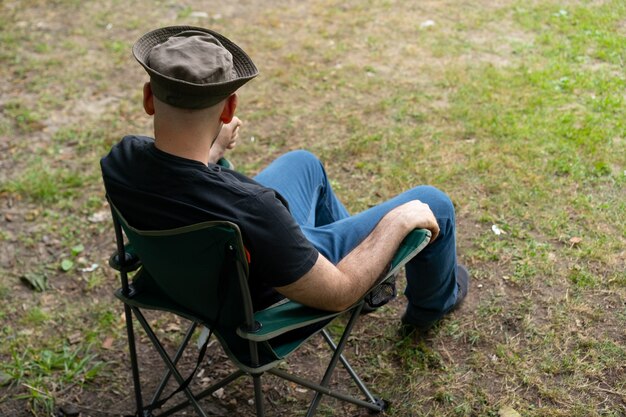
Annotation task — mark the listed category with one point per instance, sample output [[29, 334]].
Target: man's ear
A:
[[229, 109], [148, 99]]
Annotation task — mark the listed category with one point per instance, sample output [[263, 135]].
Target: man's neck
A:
[[188, 142]]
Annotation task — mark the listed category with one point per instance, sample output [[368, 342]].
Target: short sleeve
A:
[[280, 253]]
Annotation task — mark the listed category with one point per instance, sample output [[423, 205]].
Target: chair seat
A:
[[282, 327]]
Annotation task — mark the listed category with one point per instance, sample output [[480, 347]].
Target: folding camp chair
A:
[[200, 273]]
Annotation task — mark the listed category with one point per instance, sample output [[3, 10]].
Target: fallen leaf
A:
[[495, 229], [575, 240], [508, 411], [66, 265], [37, 281], [75, 338], [31, 215], [219, 394], [90, 268], [172, 327], [99, 216], [108, 343]]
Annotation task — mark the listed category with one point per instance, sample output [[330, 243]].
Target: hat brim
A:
[[180, 93]]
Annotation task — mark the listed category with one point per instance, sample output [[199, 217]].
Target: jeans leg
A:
[[431, 276], [301, 179]]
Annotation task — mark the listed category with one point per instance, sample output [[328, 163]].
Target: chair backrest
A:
[[201, 267]]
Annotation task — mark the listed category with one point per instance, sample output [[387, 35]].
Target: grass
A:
[[515, 109], [43, 371]]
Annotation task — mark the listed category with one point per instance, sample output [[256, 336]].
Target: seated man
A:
[[302, 242]]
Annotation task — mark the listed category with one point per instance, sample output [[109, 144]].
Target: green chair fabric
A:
[[200, 273]]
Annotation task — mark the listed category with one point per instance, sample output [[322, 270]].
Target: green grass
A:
[[42, 183], [45, 371], [516, 109]]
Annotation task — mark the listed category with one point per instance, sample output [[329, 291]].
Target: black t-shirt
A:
[[155, 190]]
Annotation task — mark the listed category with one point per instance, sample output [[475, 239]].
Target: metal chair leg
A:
[[359, 383], [373, 406], [168, 361], [335, 358], [258, 396], [175, 359], [133, 358]]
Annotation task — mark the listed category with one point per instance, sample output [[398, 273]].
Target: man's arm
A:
[[335, 288]]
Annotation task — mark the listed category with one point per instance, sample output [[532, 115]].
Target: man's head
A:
[[192, 68]]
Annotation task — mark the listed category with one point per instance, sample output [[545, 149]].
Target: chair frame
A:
[[126, 262]]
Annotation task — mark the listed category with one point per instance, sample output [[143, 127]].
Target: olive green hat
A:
[[192, 67]]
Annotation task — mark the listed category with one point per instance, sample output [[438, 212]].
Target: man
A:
[[303, 244]]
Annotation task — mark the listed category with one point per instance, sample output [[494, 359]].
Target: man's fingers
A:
[[434, 232], [428, 219], [236, 122]]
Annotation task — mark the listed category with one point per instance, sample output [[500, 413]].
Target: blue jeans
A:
[[431, 288]]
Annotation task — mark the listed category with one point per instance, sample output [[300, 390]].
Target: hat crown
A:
[[194, 57], [192, 67]]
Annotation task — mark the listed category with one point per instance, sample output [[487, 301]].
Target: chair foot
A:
[[384, 405]]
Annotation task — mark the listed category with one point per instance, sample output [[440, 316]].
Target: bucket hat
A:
[[192, 67]]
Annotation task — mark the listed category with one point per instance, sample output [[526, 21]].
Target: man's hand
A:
[[226, 140], [417, 215]]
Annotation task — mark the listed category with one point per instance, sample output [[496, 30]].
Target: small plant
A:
[[44, 184], [26, 119], [46, 374]]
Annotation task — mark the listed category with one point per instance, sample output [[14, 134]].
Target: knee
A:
[[302, 156], [438, 201], [304, 160]]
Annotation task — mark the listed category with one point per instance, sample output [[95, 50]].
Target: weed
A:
[[45, 184], [4, 290], [35, 316], [35, 370], [25, 118]]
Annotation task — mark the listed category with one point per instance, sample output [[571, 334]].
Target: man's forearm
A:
[[336, 288], [216, 153], [368, 261]]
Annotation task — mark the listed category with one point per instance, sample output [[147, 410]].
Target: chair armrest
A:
[[223, 162], [412, 244], [290, 315], [131, 263], [284, 317]]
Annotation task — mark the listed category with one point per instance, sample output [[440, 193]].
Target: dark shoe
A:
[[462, 282]]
